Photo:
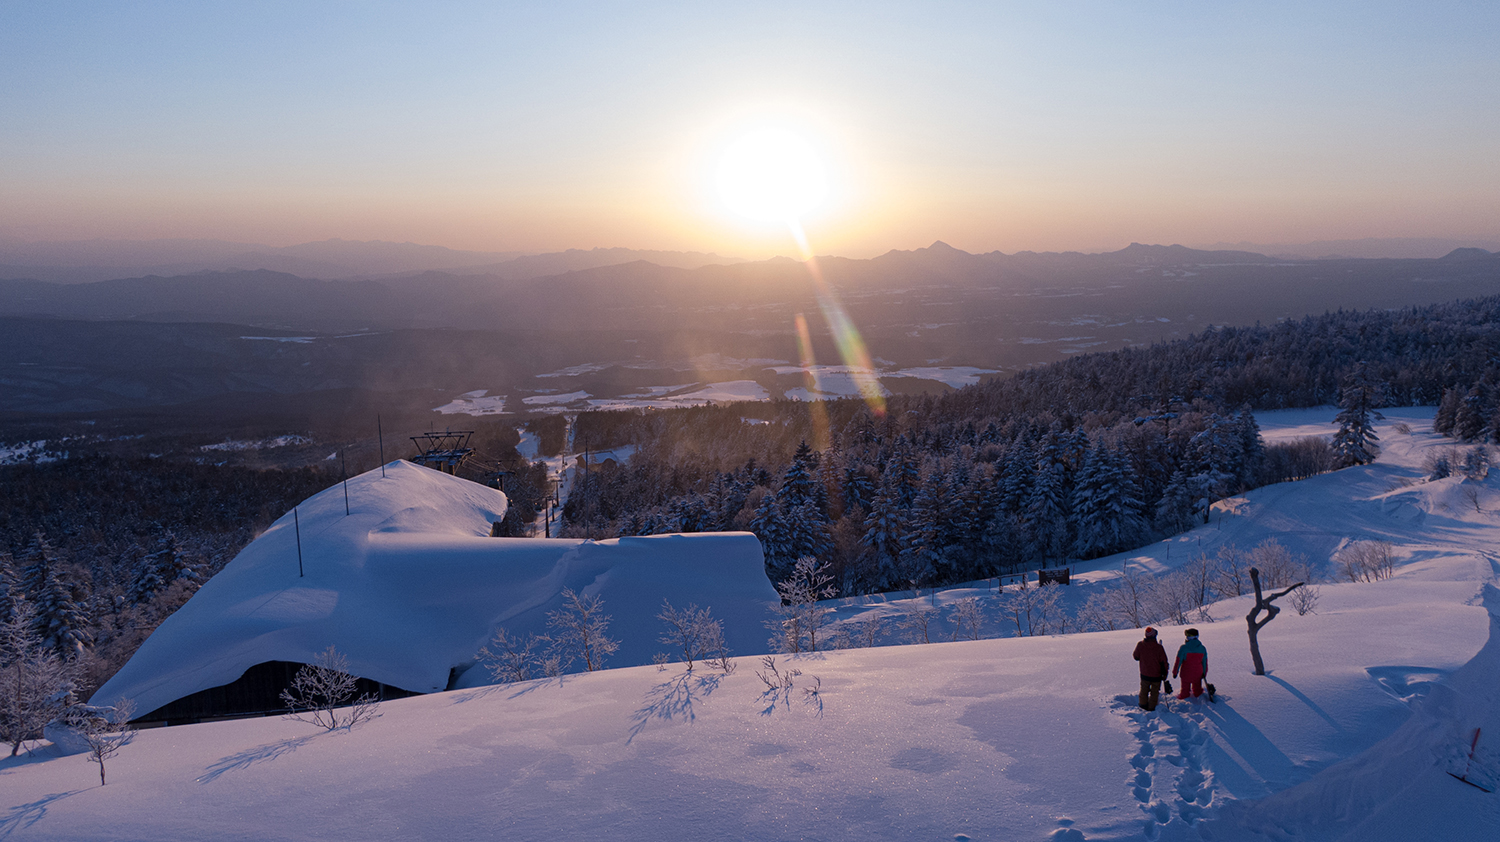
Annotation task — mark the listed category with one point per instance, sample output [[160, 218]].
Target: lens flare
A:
[[845, 335], [816, 411]]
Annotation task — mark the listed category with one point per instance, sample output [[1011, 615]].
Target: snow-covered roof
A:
[[409, 586]]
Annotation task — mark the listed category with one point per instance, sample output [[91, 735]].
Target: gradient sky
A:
[[542, 126]]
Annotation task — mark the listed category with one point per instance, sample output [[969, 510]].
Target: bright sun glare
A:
[[771, 175]]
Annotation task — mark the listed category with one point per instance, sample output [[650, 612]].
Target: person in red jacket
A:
[[1192, 661], [1153, 660]]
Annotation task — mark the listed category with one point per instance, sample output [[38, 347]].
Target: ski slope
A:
[[1369, 704]]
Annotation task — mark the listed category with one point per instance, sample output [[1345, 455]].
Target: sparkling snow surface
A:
[[1370, 702]]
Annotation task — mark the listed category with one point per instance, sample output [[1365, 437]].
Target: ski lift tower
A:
[[444, 451]]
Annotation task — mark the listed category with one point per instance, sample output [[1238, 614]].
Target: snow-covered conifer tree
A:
[[1106, 505], [59, 621], [884, 527], [769, 525], [1046, 517], [1354, 443]]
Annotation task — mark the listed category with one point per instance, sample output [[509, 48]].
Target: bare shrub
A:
[[1036, 610], [693, 633], [104, 730], [1130, 597], [1172, 598], [35, 683], [1278, 566], [918, 622], [325, 694], [1097, 614], [968, 618], [1402, 427], [578, 632], [1305, 599], [1476, 464], [1365, 561], [780, 685], [1231, 571], [512, 658], [800, 617]]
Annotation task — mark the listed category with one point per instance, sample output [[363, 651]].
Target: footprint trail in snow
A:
[[1167, 773]]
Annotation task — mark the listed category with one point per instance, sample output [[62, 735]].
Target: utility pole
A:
[[297, 525]]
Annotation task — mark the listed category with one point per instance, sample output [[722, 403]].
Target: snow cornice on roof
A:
[[409, 586]]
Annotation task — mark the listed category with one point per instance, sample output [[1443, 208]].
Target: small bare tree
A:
[[107, 733], [1035, 610], [1230, 569], [1262, 603], [513, 658], [1048, 614], [103, 731], [917, 622], [578, 631], [693, 632], [1366, 561], [325, 694], [1276, 563], [1129, 599], [799, 616], [1305, 599], [968, 618]]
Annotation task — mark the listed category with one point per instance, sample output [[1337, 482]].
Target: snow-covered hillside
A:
[[1370, 702]]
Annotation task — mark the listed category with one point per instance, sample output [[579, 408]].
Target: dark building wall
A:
[[256, 693]]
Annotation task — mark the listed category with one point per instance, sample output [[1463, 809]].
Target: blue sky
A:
[[542, 126]]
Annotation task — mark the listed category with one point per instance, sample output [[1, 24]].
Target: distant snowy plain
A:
[[1370, 703]]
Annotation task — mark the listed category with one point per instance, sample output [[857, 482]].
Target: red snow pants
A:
[[1193, 684]]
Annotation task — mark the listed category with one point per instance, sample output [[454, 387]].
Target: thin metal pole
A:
[[380, 432], [297, 524], [344, 463]]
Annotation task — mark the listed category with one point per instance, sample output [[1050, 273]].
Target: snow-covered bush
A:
[[799, 617], [917, 622], [1476, 465], [1036, 610], [35, 683], [1278, 565], [1440, 465], [1365, 561], [325, 694], [578, 632], [694, 634], [968, 618], [513, 658], [1231, 571], [103, 731]]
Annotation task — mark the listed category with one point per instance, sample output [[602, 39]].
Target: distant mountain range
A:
[[156, 340], [83, 261], [1367, 247], [949, 286]]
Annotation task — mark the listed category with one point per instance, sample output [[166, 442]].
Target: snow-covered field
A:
[[1370, 702]]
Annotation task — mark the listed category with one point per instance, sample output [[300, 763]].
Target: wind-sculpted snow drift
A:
[[409, 587]]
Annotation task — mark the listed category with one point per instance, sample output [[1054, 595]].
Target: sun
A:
[[771, 175]]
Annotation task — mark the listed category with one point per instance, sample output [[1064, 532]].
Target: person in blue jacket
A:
[[1192, 662]]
